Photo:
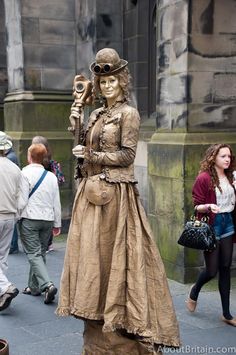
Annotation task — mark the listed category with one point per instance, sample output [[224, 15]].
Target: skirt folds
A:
[[113, 271]]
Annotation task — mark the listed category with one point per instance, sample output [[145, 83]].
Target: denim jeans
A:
[[223, 225]]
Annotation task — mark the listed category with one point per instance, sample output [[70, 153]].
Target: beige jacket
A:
[[114, 143]]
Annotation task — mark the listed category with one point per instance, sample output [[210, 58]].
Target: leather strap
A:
[[38, 183]]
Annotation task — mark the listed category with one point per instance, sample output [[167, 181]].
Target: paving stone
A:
[[32, 328]]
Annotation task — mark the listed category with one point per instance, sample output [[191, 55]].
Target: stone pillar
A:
[[48, 43], [196, 106], [139, 43], [99, 25], [3, 64], [41, 67], [44, 113]]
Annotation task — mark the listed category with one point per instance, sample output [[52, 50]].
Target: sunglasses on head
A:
[[103, 68]]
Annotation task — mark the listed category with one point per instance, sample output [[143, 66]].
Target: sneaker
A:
[[50, 293], [50, 248], [28, 291], [7, 297], [12, 290]]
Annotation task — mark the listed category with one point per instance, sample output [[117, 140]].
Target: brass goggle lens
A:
[[103, 68]]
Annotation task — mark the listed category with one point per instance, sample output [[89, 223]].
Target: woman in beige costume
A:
[[113, 276]]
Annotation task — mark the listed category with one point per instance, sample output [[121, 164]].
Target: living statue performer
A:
[[113, 276]]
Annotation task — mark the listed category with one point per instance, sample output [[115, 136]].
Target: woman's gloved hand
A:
[[79, 151]]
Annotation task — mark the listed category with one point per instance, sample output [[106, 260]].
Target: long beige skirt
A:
[[96, 342], [113, 271]]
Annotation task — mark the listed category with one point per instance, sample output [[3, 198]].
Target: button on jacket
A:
[[118, 142], [44, 204]]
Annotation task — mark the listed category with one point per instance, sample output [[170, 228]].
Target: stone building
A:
[[182, 56]]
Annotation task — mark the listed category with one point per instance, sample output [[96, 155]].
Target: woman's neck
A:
[[220, 172], [111, 102]]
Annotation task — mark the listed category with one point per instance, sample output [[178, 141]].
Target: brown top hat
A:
[[107, 62]]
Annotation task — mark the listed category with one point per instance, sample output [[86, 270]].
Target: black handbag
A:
[[198, 234]]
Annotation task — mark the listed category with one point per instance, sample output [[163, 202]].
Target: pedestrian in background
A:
[[40, 218], [53, 166], [13, 189], [11, 154], [214, 196]]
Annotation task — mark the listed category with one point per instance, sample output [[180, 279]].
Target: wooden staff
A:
[[82, 92]]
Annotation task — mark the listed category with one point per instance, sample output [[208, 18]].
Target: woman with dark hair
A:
[[113, 276], [214, 195]]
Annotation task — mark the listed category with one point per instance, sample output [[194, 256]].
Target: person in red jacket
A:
[[214, 194]]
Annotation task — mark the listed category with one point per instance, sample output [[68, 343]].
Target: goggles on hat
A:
[[105, 68]]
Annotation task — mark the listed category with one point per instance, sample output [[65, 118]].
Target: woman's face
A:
[[223, 159], [110, 87]]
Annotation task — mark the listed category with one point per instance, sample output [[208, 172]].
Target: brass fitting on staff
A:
[[82, 92]]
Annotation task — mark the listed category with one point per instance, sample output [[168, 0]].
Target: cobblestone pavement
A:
[[32, 328]]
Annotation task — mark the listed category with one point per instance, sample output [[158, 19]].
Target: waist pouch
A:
[[98, 191]]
